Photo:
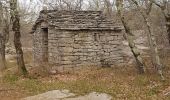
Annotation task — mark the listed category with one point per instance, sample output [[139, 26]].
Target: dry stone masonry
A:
[[68, 40]]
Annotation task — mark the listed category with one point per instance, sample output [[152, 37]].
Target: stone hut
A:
[[73, 39]]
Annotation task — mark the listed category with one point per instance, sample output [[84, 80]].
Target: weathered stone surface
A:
[[51, 95], [66, 95], [92, 96]]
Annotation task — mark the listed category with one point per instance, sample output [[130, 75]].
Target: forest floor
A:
[[122, 83]]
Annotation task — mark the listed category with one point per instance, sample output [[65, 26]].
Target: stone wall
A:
[[73, 49]]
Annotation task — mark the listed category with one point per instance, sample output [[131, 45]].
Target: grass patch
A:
[[141, 80], [11, 63], [10, 78], [120, 84], [80, 87]]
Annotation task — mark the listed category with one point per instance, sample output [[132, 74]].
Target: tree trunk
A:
[[154, 48], [164, 8], [129, 37], [134, 49], [151, 37], [2, 53], [108, 8], [2, 40], [17, 35]]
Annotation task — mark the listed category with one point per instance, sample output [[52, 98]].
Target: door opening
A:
[[45, 44]]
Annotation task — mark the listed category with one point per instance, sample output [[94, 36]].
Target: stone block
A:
[[83, 58], [66, 49], [68, 62]]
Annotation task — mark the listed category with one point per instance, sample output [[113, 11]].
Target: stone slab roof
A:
[[76, 20]]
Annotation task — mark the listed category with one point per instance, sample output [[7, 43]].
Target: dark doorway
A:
[[45, 44]]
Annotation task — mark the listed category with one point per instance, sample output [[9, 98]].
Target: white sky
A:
[[37, 5]]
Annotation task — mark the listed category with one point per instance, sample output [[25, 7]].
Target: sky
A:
[[37, 5], [34, 4]]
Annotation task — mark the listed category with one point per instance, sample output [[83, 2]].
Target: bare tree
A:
[[129, 36], [2, 53], [15, 19], [4, 33], [2, 44], [64, 4], [164, 5], [108, 8], [151, 36], [97, 5]]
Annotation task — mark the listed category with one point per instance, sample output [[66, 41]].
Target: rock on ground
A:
[[66, 95], [92, 96], [51, 95]]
